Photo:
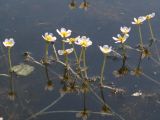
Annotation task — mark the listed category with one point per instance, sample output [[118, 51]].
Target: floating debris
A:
[[137, 94]]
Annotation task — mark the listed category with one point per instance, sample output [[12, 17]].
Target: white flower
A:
[[140, 20], [64, 33], [106, 49], [120, 39], [49, 37], [8, 42], [125, 30], [83, 41], [65, 52], [148, 17], [71, 40]]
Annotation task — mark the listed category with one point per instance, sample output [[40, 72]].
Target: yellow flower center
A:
[[148, 17], [72, 40], [8, 43], [65, 52], [84, 43], [48, 37], [64, 34], [121, 39], [106, 49]]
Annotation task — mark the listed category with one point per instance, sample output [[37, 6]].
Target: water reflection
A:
[[83, 5], [30, 90]]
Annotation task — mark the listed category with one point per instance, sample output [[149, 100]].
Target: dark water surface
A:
[[27, 20]]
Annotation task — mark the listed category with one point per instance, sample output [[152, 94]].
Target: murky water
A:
[[27, 20]]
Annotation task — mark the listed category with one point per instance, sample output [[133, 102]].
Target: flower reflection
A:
[[145, 53], [121, 72], [83, 114], [72, 4], [85, 87], [64, 90], [84, 5], [137, 72], [49, 85], [12, 95], [106, 110]]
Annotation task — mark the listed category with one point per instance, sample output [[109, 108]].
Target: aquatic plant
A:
[[74, 78]]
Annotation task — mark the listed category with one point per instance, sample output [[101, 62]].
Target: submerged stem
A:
[[102, 69], [84, 101], [140, 60], [46, 71], [102, 94]]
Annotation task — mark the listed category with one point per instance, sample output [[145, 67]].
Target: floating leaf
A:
[[23, 69]]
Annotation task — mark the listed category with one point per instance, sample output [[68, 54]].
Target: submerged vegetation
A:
[[74, 78]]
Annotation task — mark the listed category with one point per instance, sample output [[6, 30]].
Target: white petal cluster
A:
[[139, 20], [106, 49], [64, 33], [65, 52], [8, 42], [49, 37], [120, 39], [125, 30], [83, 41]]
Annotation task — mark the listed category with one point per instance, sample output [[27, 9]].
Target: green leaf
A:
[[22, 69]]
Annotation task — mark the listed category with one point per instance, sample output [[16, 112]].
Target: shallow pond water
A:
[[27, 20]]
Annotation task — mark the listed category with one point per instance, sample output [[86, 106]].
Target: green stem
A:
[[80, 56], [151, 30], [63, 45], [46, 71], [11, 84], [140, 60], [66, 60], [46, 51], [10, 72], [102, 69], [84, 62], [152, 36], [55, 52], [140, 36], [75, 53], [123, 54], [9, 58]]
